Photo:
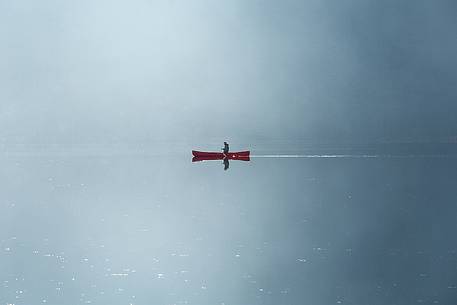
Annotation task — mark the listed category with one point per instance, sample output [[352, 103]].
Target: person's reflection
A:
[[226, 164]]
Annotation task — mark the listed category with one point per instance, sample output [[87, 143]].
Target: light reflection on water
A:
[[141, 229]]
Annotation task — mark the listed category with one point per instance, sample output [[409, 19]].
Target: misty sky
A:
[[140, 71]]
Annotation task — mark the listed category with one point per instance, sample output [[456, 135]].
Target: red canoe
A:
[[202, 155]]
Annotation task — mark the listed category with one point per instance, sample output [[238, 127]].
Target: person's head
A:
[[225, 143]]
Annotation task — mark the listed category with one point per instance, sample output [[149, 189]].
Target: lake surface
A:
[[361, 227]]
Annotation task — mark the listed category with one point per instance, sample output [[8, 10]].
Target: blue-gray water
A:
[[92, 226]]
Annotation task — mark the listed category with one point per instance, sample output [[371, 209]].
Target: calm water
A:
[[142, 229]]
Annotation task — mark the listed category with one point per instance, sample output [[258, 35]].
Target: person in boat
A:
[[226, 148]]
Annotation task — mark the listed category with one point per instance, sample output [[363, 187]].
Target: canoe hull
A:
[[202, 155], [238, 158]]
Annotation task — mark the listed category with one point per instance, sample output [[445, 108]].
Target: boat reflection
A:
[[225, 160]]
